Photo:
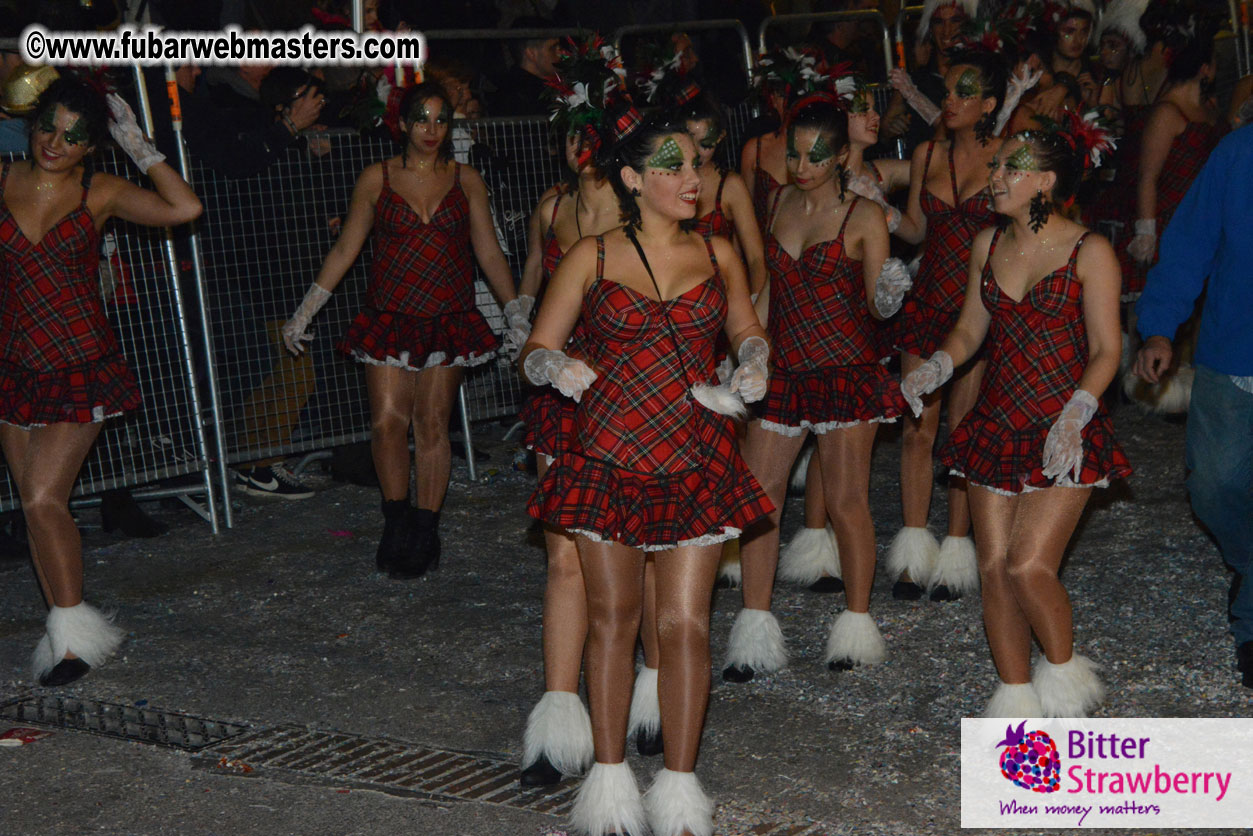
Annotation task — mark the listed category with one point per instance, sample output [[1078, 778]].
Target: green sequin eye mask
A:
[[968, 86], [711, 139], [1022, 160], [859, 104], [77, 134], [668, 156], [46, 124], [821, 150]]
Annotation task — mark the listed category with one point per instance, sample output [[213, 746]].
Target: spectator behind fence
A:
[[1210, 241], [858, 42], [939, 30], [238, 134], [12, 129], [519, 92]]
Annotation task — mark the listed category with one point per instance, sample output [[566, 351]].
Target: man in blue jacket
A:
[[1211, 236]]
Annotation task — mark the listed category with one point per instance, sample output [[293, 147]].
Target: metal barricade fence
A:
[[164, 438]]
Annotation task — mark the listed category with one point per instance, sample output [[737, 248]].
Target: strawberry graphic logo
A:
[[1030, 759]]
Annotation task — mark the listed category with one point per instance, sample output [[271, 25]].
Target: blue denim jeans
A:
[[1220, 458]]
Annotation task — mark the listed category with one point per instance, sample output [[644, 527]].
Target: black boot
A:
[[118, 509], [396, 525], [422, 547]]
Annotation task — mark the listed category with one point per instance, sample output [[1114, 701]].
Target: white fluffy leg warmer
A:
[[956, 566], [913, 550], [608, 801], [1012, 701], [82, 630], [729, 564], [756, 642], [810, 555], [559, 729], [1070, 689], [677, 804], [855, 638], [645, 704]]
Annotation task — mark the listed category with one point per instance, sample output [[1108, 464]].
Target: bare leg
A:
[[648, 625], [392, 393], [614, 576], [963, 392], [565, 608], [436, 393], [917, 441], [815, 501], [769, 456], [45, 462], [845, 455], [685, 579], [1006, 625], [1043, 524]]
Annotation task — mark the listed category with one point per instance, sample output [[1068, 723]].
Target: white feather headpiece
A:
[[1123, 17], [970, 7]]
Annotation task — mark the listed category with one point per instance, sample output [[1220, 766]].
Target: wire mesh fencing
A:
[[164, 438]]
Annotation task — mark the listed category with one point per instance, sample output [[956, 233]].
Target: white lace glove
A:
[[518, 318], [126, 133], [914, 97], [1063, 448], [890, 288], [869, 188], [750, 378], [1144, 246], [1022, 81], [296, 330], [925, 379], [571, 377]]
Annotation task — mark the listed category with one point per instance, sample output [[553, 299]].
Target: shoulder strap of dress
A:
[[774, 207], [996, 236], [1074, 254], [709, 247], [456, 173], [86, 182], [556, 204], [757, 158], [874, 168], [718, 197], [847, 215], [600, 257], [4, 175], [386, 184], [926, 165], [952, 175]]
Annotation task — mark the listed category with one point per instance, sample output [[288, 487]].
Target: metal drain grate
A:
[[127, 722], [416, 771]]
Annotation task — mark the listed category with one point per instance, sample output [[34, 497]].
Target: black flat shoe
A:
[[841, 665], [540, 774], [647, 744], [738, 673], [65, 672], [906, 591], [119, 510], [422, 553], [827, 586], [1244, 657], [945, 593]]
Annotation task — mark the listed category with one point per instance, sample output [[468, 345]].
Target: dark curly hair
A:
[[411, 105], [1058, 152], [77, 97], [634, 150]]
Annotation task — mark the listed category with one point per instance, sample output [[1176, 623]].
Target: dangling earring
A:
[[635, 192], [1041, 207], [983, 128]]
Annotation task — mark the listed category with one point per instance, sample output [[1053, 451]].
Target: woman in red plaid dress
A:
[[652, 472], [948, 204], [558, 737], [61, 368], [420, 327], [1042, 301], [826, 250]]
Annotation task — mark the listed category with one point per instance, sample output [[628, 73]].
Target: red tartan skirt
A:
[[920, 328], [702, 506], [994, 455], [79, 394], [418, 342], [549, 419], [828, 398]]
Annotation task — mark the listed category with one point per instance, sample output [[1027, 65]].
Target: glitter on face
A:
[[968, 86], [77, 134], [444, 117], [860, 103], [1022, 160], [669, 156]]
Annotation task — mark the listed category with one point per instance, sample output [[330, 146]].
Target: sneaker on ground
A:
[[273, 481]]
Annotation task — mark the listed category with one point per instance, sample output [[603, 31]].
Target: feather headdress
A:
[[970, 7], [1123, 17]]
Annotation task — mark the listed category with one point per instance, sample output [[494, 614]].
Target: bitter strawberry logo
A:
[[1030, 759]]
